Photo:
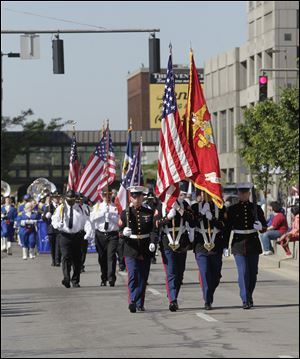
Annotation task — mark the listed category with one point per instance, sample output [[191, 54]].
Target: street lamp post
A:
[[274, 51]]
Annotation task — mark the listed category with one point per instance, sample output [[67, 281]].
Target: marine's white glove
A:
[[48, 215], [208, 215], [127, 232], [226, 252], [106, 216], [151, 247], [171, 214], [257, 225], [2, 215], [205, 208]]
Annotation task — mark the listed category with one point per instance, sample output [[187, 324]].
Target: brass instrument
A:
[[39, 188], [5, 189]]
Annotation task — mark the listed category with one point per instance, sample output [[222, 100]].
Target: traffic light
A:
[[263, 88], [58, 56]]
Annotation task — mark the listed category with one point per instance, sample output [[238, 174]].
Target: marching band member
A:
[[69, 219], [105, 222], [208, 246], [8, 215], [246, 246], [28, 232], [175, 241], [138, 230]]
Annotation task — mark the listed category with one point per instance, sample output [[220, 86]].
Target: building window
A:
[[288, 37], [230, 129], [231, 175], [243, 75], [268, 22], [215, 127], [223, 132], [251, 71]]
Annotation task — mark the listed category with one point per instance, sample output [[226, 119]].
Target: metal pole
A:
[[77, 31], [285, 56]]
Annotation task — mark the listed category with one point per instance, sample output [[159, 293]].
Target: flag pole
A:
[[107, 149]]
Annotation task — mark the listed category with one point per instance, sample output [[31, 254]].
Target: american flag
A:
[[134, 177], [100, 170], [175, 161], [74, 166]]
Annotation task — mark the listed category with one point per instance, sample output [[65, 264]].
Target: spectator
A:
[[292, 235], [278, 227]]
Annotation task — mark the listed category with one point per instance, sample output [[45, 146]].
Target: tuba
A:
[[39, 188], [5, 189]]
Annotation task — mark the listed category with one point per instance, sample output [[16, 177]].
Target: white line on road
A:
[[285, 356], [154, 291], [206, 317]]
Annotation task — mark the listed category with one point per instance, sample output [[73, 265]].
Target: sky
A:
[[94, 86]]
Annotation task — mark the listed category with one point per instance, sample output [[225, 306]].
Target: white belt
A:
[[246, 231], [140, 236]]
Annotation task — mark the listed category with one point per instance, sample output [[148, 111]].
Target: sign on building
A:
[[30, 47]]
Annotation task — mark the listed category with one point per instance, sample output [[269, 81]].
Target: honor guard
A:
[[245, 219], [69, 219], [8, 216], [208, 245], [48, 211], [139, 233], [105, 222], [175, 241], [84, 201], [27, 222]]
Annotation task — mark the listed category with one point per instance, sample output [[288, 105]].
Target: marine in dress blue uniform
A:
[[179, 221], [208, 247], [246, 246], [138, 231]]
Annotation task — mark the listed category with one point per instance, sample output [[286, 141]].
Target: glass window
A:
[[230, 129], [38, 173], [223, 132], [243, 75], [288, 37]]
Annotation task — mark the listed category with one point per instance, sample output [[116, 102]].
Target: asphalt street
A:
[[41, 319]]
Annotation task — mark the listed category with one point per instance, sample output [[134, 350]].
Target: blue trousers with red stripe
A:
[[138, 273], [174, 263], [210, 266]]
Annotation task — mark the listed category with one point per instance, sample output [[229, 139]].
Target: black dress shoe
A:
[[140, 309], [57, 264], [103, 284], [66, 283], [52, 264], [176, 304], [111, 284], [76, 285], [246, 305], [251, 303], [132, 307], [207, 306], [173, 306], [82, 270]]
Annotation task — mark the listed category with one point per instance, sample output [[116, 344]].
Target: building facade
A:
[[231, 78]]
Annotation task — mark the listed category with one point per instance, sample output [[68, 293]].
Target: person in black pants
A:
[[104, 219], [69, 219], [48, 211]]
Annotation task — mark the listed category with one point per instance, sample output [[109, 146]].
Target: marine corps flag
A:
[[199, 133]]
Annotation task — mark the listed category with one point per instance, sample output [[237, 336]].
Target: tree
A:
[[270, 139], [31, 131]]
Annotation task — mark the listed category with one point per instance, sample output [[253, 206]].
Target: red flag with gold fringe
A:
[[199, 134]]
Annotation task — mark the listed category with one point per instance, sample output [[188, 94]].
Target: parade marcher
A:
[[8, 215], [27, 222], [48, 211], [175, 241], [208, 246], [105, 223], [245, 220], [152, 203], [84, 241], [138, 230], [69, 219]]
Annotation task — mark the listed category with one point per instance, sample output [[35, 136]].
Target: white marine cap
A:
[[244, 186], [136, 189]]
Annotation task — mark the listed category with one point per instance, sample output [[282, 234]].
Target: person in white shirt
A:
[[70, 219], [105, 223]]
